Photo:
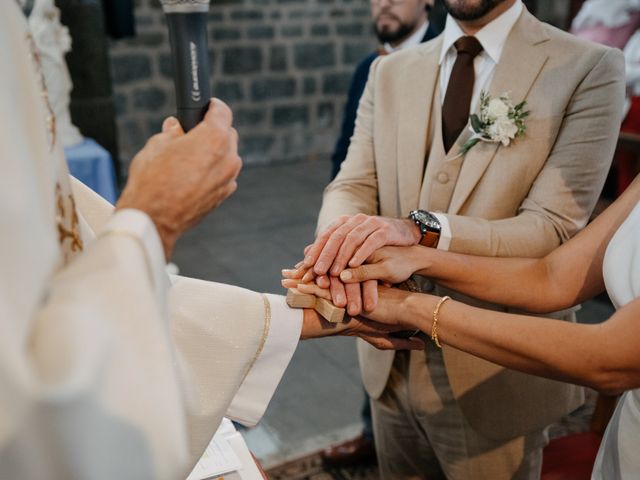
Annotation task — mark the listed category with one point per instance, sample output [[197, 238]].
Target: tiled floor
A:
[[261, 229]]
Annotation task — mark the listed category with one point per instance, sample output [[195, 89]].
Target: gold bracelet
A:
[[434, 325]]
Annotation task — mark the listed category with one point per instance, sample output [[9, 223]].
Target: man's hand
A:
[[350, 240], [178, 178], [377, 334]]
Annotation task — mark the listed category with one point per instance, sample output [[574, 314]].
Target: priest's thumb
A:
[[171, 125]]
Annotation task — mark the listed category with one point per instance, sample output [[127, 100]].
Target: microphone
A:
[[187, 21]]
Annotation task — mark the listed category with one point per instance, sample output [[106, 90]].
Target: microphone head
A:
[[185, 6]]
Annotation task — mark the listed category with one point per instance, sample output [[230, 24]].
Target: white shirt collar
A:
[[414, 39], [492, 36]]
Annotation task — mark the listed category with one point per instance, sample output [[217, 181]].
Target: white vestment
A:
[[108, 368]]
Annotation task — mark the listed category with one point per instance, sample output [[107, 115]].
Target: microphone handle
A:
[[189, 52]]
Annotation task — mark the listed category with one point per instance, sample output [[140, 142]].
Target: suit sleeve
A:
[[355, 189], [565, 191], [358, 82]]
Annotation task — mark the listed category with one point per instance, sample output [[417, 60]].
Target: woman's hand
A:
[[397, 309], [390, 265], [403, 309]]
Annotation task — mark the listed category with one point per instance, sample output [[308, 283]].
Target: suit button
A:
[[442, 177]]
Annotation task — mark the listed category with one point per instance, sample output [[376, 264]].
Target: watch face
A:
[[429, 221]]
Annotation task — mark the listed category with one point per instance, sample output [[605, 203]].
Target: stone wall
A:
[[284, 67]]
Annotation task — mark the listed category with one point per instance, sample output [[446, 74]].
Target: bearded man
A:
[[407, 179], [397, 24]]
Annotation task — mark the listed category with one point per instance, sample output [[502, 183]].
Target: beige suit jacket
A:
[[521, 200]]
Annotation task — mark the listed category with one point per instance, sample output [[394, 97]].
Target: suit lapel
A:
[[414, 113], [520, 49]]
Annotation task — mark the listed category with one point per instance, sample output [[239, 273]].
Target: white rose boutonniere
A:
[[499, 121]]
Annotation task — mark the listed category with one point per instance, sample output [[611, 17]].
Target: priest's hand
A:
[[377, 334], [178, 178]]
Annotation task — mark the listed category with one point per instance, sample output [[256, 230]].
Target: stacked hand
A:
[[344, 246], [349, 260]]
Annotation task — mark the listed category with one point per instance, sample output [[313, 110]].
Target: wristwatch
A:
[[429, 227]]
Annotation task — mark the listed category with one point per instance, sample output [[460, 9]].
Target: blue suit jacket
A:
[[358, 82]]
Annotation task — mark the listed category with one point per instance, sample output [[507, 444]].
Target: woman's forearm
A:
[[603, 356], [515, 282]]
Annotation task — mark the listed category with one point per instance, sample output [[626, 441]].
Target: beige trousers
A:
[[421, 433]]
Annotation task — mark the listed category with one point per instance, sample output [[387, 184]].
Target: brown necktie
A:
[[457, 100]]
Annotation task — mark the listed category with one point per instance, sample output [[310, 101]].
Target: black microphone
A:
[[187, 20]]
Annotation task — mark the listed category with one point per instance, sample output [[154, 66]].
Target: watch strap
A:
[[430, 239]]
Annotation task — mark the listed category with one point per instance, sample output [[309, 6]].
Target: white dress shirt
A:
[[492, 37]]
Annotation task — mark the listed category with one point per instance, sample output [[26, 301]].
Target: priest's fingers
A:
[[295, 273], [290, 283], [172, 126], [313, 289], [218, 115]]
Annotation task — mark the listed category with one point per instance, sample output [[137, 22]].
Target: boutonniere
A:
[[499, 121]]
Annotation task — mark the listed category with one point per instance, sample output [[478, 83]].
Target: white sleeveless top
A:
[[619, 455]]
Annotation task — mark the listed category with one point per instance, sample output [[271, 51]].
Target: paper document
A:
[[219, 457]]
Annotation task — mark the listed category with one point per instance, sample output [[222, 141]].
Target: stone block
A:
[[222, 33], [360, 12], [149, 99], [350, 29], [354, 52], [272, 88], [289, 115], [309, 86], [151, 39], [278, 58], [229, 91], [165, 65], [325, 114], [320, 30], [336, 83], [215, 15], [245, 15], [242, 60], [291, 31], [256, 144], [130, 67], [259, 32], [249, 117], [314, 55]]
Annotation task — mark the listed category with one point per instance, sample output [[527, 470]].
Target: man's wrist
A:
[[429, 227], [414, 229]]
